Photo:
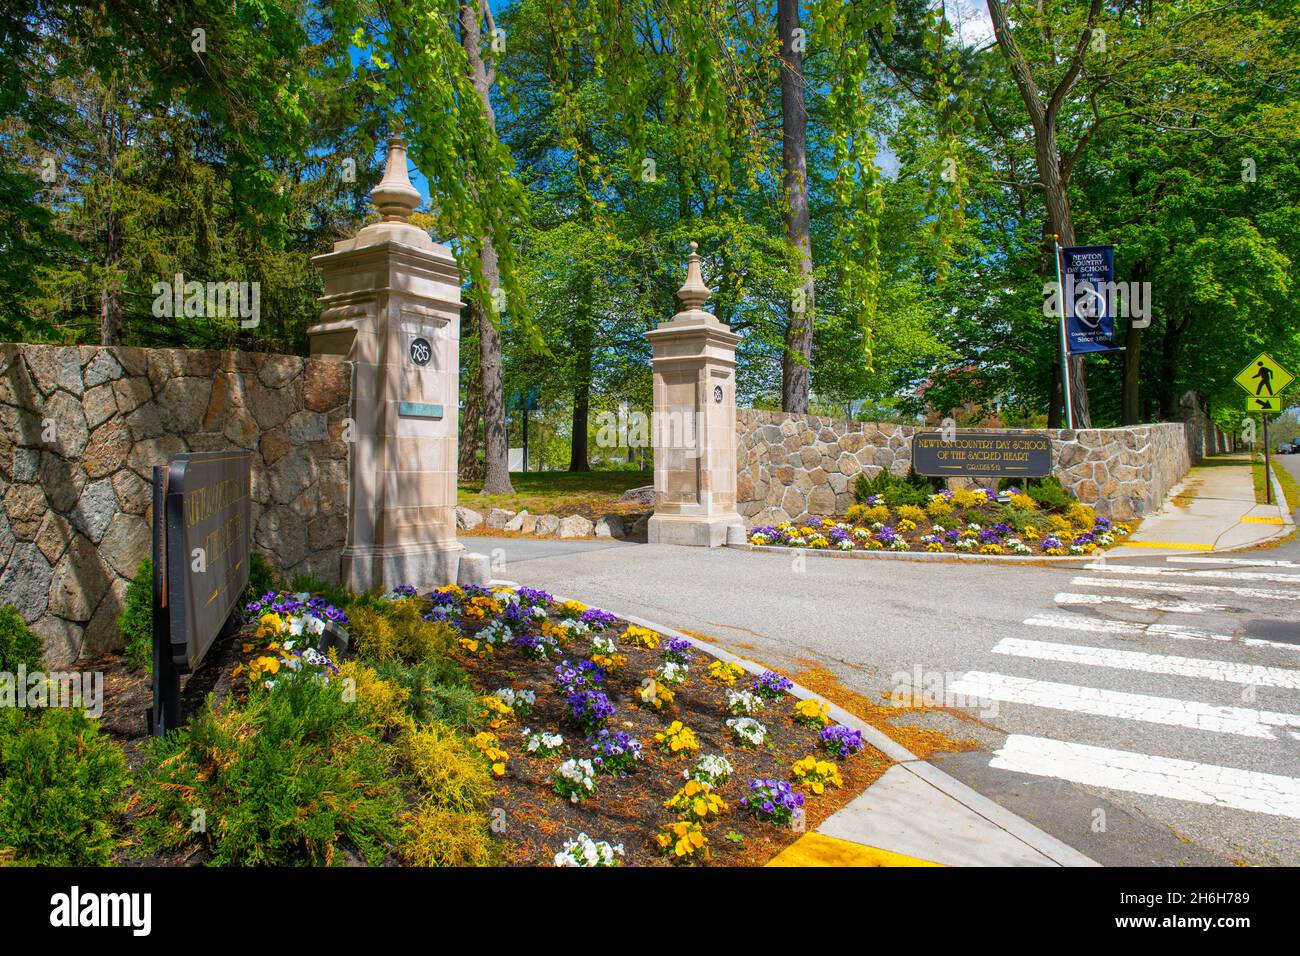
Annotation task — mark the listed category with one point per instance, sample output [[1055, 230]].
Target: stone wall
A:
[[80, 430], [792, 465]]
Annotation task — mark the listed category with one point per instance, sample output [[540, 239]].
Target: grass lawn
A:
[[1289, 486], [587, 493]]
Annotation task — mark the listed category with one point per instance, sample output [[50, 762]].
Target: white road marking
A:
[[1178, 632], [1169, 711], [1109, 568], [1244, 562], [1256, 675], [1140, 604], [1155, 776], [1171, 587]]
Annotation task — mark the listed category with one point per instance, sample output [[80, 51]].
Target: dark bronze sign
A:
[[973, 454], [209, 509]]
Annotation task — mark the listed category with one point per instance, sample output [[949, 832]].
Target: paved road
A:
[[1147, 712]]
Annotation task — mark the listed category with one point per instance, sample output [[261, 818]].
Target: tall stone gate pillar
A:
[[694, 422], [392, 307]]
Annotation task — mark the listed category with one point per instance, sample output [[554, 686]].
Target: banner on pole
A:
[[1088, 295]]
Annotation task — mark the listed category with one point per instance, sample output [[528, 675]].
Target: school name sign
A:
[[982, 455]]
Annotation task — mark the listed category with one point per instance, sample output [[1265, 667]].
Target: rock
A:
[[134, 494], [26, 464], [55, 366], [467, 519], [326, 384], [473, 569], [547, 525], [26, 507], [99, 404], [644, 495], [274, 445], [529, 524], [153, 451], [7, 539], [62, 640], [108, 449], [575, 526], [131, 393], [638, 529], [62, 480], [609, 526], [306, 426], [270, 406], [69, 433], [26, 581], [102, 634], [499, 517], [278, 370], [183, 404], [291, 475], [54, 537], [126, 541], [103, 368], [517, 522], [283, 534], [79, 581]]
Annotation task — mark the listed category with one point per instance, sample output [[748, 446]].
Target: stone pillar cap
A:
[[693, 293], [395, 197]]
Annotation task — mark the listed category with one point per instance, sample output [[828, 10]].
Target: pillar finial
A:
[[395, 197], [693, 293]]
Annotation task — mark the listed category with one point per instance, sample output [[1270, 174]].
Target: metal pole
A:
[[1065, 346], [165, 714], [525, 435], [1268, 475]]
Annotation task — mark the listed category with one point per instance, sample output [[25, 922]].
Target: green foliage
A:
[[18, 645], [334, 594], [437, 690], [1050, 495], [293, 777], [434, 835], [447, 767], [912, 490], [135, 623], [1020, 518], [261, 577], [384, 630], [61, 788]]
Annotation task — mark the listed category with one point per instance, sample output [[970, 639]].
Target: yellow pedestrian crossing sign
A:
[[1263, 378], [1264, 403]]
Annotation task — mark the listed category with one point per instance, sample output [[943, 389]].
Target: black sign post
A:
[[987, 454], [202, 544]]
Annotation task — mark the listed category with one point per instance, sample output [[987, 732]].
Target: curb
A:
[[1060, 853], [940, 556]]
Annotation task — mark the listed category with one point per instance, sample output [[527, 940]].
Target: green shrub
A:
[[434, 835], [135, 623], [61, 788], [334, 594], [1050, 495], [18, 645], [447, 767], [291, 777], [392, 630], [261, 578], [912, 490], [437, 689], [1020, 518]]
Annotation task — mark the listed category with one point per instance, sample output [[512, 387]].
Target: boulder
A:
[[517, 522], [467, 519], [499, 517], [643, 495], [609, 526], [576, 526], [547, 525]]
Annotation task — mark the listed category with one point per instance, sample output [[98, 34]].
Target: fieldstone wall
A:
[[80, 431], [789, 465]]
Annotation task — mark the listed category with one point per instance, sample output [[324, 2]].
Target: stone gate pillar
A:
[[694, 422], [392, 308]]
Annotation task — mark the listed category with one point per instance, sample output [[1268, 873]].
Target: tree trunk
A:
[[472, 418], [1171, 352], [581, 396], [1133, 359], [796, 362], [496, 478]]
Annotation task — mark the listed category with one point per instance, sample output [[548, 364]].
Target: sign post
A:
[[202, 544], [1262, 380]]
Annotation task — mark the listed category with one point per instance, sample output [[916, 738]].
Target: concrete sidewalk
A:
[[1212, 509]]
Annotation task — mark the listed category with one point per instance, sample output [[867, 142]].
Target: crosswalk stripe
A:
[[1178, 632], [1140, 604], [1109, 568], [1154, 776], [1171, 587], [1241, 562], [1252, 674], [1098, 702]]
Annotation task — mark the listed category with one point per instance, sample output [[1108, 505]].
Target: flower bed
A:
[[643, 761], [961, 522]]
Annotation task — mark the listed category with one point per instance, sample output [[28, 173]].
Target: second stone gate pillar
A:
[[694, 422]]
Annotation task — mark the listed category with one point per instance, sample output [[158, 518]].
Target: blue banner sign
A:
[[1089, 294]]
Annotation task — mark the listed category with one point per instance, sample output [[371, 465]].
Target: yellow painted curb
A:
[[816, 849], [1259, 519], [1182, 545]]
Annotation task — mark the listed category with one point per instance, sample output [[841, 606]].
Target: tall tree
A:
[[796, 363]]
